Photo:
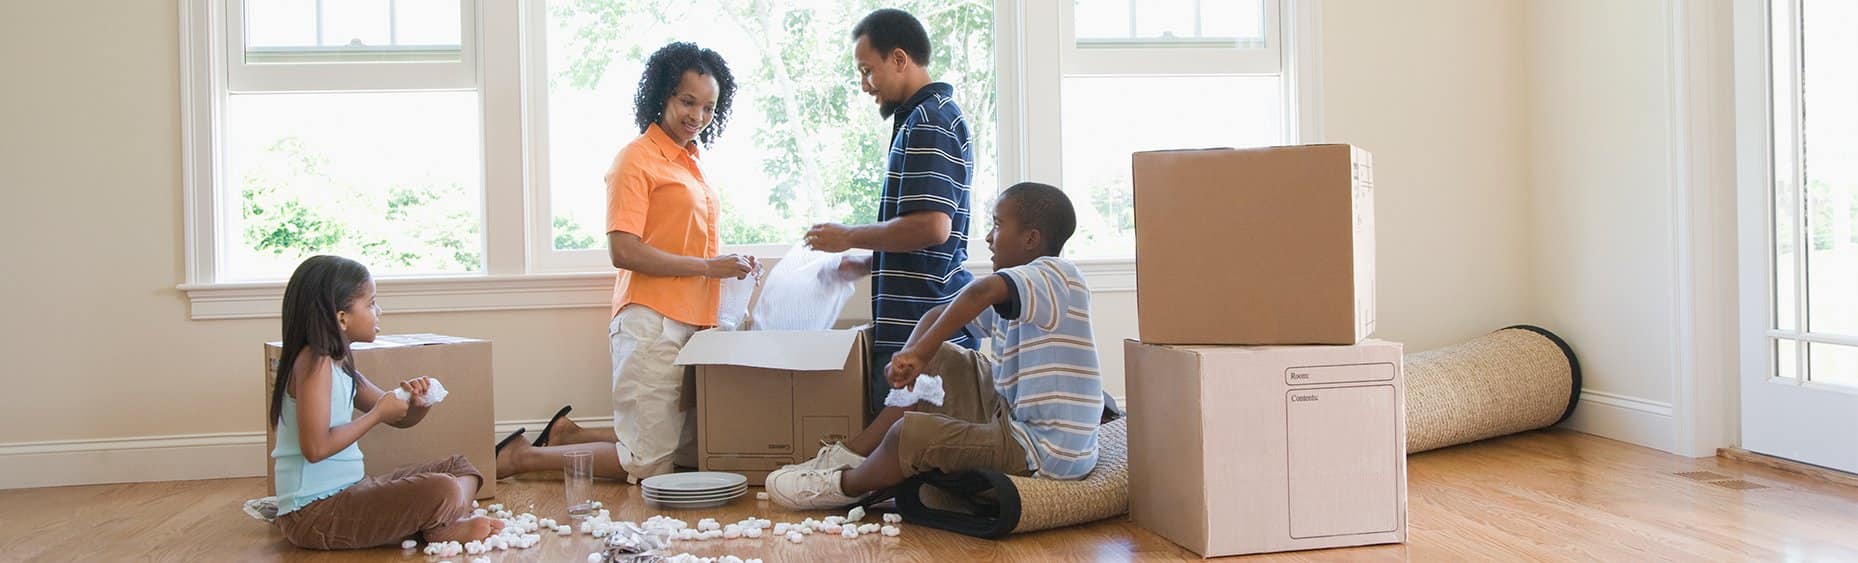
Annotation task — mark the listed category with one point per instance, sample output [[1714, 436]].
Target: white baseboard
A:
[[1627, 419], [161, 458]]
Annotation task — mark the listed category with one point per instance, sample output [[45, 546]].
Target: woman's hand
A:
[[736, 266]]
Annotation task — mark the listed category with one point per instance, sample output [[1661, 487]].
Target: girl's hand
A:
[[416, 388], [390, 407]]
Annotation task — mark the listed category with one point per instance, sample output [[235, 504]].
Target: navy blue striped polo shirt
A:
[[931, 165]]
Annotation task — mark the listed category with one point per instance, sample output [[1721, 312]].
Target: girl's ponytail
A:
[[321, 286]]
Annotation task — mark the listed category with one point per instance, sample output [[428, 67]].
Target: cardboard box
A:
[[1236, 450], [1255, 246], [463, 424], [769, 398]]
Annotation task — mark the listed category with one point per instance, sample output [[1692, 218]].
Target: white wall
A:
[[1603, 246], [108, 379], [1433, 88]]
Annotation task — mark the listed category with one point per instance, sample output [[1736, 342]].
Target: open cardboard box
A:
[[769, 398]]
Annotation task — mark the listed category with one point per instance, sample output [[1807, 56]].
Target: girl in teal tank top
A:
[[324, 499]]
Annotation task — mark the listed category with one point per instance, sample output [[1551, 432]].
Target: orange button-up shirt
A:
[[656, 190]]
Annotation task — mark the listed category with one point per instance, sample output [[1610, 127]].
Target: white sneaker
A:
[[831, 456], [808, 489]]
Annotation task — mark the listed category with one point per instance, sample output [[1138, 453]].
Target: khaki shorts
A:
[[970, 430], [653, 397]]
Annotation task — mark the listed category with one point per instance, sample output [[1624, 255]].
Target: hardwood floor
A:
[[1555, 495]]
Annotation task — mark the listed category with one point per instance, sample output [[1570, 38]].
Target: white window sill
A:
[[257, 300]]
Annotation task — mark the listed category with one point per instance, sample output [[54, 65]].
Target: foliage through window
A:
[[804, 144]]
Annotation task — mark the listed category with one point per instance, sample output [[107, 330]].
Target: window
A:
[[343, 126], [459, 146], [803, 145], [1146, 75], [1815, 195]]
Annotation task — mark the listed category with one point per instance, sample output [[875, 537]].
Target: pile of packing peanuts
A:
[[629, 541]]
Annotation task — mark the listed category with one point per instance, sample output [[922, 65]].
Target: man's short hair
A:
[[889, 29]]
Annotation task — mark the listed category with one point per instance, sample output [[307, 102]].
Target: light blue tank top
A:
[[299, 482]]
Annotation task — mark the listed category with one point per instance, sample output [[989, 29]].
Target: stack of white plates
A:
[[702, 489]]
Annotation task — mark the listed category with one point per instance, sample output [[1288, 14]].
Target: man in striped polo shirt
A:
[[920, 239], [1033, 412]]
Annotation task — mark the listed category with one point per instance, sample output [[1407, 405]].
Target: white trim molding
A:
[[1628, 419], [1702, 208], [260, 300], [142, 459]]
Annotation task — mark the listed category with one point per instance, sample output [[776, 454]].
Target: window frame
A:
[[522, 270], [1787, 157], [315, 72]]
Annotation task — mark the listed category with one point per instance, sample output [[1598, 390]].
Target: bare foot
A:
[[506, 459], [562, 432], [467, 529]]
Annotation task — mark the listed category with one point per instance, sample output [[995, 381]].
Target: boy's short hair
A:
[[889, 29], [1045, 208]]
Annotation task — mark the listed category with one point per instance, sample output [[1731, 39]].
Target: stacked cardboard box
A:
[[1255, 299]]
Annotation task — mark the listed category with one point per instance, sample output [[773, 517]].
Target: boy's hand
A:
[[390, 407], [416, 388], [829, 237], [904, 366]]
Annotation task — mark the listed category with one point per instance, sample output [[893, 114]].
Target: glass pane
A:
[[1166, 19], [1102, 19], [1101, 131], [1829, 98], [1832, 364], [803, 144], [1786, 204], [1787, 359], [356, 22], [427, 22], [280, 23], [1229, 18], [390, 179]]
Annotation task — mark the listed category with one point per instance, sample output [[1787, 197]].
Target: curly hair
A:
[[665, 69]]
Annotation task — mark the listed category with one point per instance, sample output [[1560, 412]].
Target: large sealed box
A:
[[1236, 450], [463, 424], [768, 398], [1255, 246]]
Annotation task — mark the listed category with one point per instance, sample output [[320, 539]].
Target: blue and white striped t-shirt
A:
[[931, 163], [1045, 366]]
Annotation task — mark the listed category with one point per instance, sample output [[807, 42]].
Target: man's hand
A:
[[853, 268], [829, 237]]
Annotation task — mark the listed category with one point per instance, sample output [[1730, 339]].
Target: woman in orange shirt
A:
[[662, 235]]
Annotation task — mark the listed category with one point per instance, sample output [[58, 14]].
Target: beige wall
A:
[[1434, 89], [1600, 175], [98, 344]]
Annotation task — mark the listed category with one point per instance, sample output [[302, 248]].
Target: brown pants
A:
[[383, 509], [970, 430]]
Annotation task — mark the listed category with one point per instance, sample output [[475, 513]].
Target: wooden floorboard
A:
[[1555, 495]]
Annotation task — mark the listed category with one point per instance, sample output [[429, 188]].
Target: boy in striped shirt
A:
[[1032, 409]]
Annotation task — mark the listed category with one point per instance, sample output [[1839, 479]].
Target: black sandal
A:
[[542, 439], [510, 438]]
